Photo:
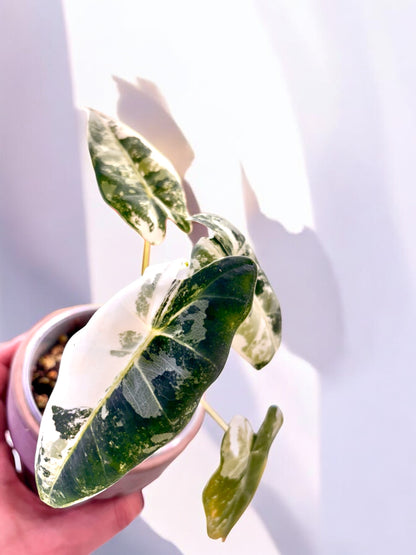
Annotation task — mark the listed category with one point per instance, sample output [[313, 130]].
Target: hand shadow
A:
[[302, 277], [138, 533]]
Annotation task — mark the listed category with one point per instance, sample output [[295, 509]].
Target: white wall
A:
[[350, 70], [43, 261]]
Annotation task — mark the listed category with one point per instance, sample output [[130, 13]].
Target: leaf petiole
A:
[[146, 256], [214, 414]]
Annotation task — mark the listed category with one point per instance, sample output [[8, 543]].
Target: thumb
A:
[[100, 520]]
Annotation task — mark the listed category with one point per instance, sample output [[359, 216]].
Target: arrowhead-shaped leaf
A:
[[243, 459], [135, 179], [259, 336], [132, 378]]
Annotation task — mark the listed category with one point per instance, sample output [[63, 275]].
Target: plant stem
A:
[[146, 256], [214, 414]]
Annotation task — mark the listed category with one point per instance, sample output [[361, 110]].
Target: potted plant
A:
[[32, 378], [146, 357]]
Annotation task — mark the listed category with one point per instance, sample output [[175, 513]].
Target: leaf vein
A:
[[187, 346]]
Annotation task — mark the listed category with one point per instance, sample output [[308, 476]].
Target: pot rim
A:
[[33, 343]]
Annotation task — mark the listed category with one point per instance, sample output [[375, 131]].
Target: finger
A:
[[8, 348], [7, 351], [4, 375], [100, 520], [125, 510], [2, 420], [7, 468]]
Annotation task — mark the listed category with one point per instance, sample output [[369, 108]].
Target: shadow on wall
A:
[[303, 279], [143, 107], [282, 526], [139, 537], [296, 264]]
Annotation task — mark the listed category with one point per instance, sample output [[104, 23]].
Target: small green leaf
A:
[[243, 459], [135, 179], [112, 407], [259, 336]]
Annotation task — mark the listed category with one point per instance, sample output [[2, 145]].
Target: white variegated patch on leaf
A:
[[135, 179], [243, 459], [259, 336], [131, 379]]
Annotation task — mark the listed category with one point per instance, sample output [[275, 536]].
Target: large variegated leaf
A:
[[135, 179], [259, 336], [243, 460], [132, 378]]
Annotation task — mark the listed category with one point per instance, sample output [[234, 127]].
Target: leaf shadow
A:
[[303, 279]]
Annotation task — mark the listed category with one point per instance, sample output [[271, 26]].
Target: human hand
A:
[[28, 526]]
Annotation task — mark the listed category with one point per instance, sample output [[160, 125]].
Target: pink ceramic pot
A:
[[24, 417]]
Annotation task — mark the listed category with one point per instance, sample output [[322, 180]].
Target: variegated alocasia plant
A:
[[159, 344]]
